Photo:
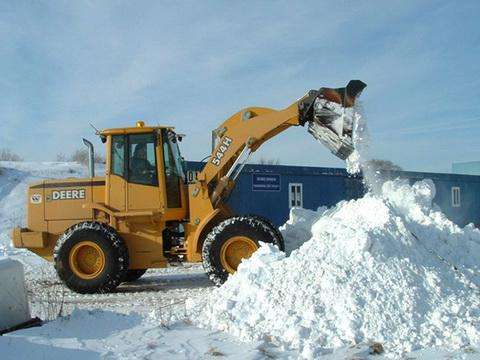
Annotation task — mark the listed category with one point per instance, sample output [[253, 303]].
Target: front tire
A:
[[90, 257], [233, 240], [280, 241]]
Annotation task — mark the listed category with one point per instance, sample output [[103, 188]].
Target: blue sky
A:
[[65, 64]]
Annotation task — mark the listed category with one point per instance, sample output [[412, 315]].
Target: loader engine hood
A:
[[330, 116]]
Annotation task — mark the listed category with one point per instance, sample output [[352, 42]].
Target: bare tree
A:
[[81, 157], [61, 157], [8, 155], [264, 161], [384, 165]]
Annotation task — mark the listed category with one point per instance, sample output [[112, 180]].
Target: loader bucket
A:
[[330, 116]]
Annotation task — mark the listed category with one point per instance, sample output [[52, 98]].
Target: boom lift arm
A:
[[325, 112]]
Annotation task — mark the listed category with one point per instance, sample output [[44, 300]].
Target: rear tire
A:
[[134, 275], [231, 241], [90, 257]]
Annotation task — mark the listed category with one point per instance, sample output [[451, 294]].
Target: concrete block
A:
[[14, 308]]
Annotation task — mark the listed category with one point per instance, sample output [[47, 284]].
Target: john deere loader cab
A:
[[145, 181], [144, 171]]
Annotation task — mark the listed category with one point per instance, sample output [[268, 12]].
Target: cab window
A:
[[118, 155], [173, 172], [142, 164]]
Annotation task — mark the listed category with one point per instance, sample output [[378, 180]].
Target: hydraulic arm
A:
[[328, 114]]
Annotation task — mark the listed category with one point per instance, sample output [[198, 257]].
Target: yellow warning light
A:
[[140, 124]]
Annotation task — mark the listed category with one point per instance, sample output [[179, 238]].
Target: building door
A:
[[295, 195], [455, 196]]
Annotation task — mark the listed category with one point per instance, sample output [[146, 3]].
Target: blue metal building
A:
[[457, 195], [271, 190]]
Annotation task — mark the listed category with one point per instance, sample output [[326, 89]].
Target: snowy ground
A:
[[147, 319]]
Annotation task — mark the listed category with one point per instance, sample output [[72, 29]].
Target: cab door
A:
[[143, 192], [172, 171]]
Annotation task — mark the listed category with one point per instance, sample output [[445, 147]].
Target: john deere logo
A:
[[68, 194], [36, 199]]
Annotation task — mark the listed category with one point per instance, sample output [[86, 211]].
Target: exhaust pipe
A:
[[330, 116], [91, 163]]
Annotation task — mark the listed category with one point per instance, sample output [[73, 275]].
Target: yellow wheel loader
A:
[[145, 212]]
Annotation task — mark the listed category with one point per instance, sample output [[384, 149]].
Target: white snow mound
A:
[[387, 268], [298, 228]]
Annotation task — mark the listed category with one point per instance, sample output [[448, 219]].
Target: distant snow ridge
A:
[[386, 268]]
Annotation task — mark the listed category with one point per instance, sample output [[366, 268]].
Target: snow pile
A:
[[385, 268], [298, 228]]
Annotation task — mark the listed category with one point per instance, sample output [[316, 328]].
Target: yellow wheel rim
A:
[[87, 260], [234, 250]]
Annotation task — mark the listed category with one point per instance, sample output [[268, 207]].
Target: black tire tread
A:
[[281, 241], [252, 226], [115, 247]]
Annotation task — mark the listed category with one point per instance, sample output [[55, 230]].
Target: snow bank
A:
[[385, 268]]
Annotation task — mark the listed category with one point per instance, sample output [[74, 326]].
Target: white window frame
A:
[[296, 196], [456, 196]]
